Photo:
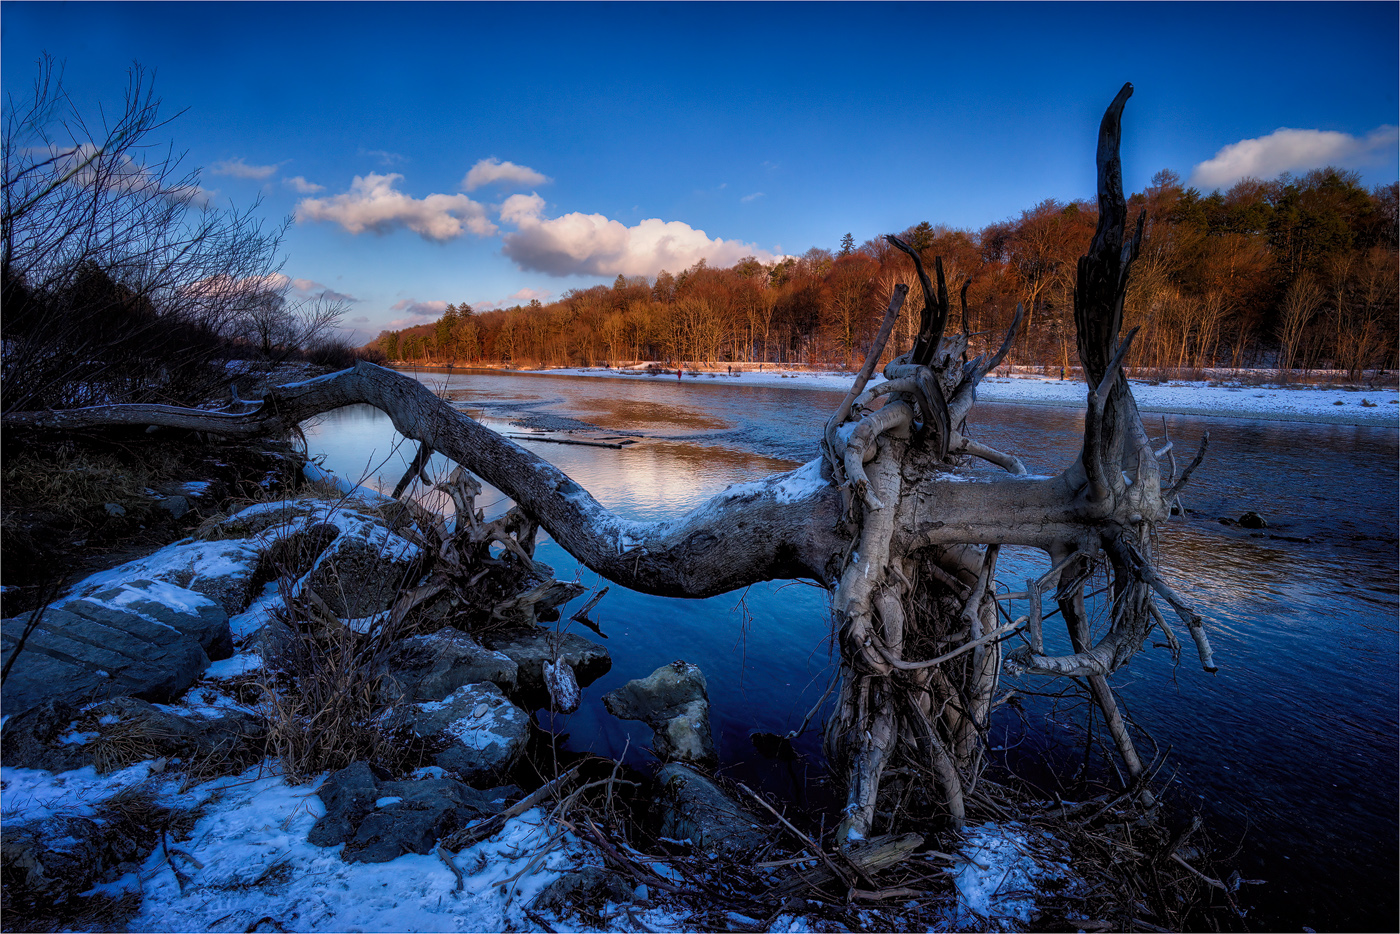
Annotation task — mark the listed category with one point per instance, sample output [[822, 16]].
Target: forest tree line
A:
[[1297, 273]]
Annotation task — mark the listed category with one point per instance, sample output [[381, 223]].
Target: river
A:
[[1290, 750]]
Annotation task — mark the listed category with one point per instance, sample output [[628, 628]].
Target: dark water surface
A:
[[1290, 749]]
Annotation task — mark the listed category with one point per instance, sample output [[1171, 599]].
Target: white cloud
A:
[[753, 197], [493, 171], [1286, 150], [301, 186], [432, 309], [372, 203], [240, 169], [591, 244]]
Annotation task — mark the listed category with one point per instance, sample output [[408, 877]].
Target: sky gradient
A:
[[435, 153]]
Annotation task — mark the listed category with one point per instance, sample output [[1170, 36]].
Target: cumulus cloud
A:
[[301, 186], [591, 244], [432, 309], [1286, 150], [240, 169], [372, 203], [493, 171]]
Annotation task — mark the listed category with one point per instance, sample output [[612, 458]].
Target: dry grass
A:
[[70, 481], [323, 694]]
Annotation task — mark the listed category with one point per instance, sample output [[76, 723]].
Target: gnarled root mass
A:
[[921, 635]]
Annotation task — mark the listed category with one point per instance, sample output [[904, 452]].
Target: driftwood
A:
[[885, 520]]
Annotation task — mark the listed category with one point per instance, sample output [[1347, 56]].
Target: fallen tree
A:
[[895, 520]]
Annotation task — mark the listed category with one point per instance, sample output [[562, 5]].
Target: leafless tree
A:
[[119, 275]]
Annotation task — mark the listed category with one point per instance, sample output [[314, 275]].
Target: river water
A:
[[1290, 750]]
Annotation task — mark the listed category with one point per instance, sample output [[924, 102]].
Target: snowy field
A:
[[1221, 398]]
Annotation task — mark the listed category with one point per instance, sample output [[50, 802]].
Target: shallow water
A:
[[1291, 747]]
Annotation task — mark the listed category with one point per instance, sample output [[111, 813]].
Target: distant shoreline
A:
[[1226, 399]]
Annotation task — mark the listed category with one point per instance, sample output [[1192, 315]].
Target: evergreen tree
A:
[[848, 245]]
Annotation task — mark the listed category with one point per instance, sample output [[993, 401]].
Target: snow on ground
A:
[[247, 860], [1222, 398], [1000, 869], [254, 862]]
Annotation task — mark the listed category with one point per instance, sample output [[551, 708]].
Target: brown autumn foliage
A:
[[1296, 272]]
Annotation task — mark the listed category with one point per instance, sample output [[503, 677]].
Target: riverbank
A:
[[1223, 398]]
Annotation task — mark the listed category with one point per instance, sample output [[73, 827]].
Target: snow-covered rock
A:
[[485, 733], [141, 638]]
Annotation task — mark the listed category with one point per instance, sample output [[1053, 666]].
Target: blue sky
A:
[[492, 153]]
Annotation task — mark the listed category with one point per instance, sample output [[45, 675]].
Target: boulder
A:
[[57, 857], [223, 571], [674, 702], [485, 733], [431, 667], [131, 730], [124, 730], [379, 820], [1252, 520], [531, 648], [34, 739], [145, 639], [349, 796], [692, 807], [410, 817], [359, 576], [188, 612]]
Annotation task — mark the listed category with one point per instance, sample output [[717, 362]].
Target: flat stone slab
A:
[[145, 639]]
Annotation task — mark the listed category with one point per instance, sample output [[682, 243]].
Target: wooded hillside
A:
[[1295, 272]]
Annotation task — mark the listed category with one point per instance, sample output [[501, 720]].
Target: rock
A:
[[1252, 520], [531, 648], [31, 740], [190, 613], [673, 701], [176, 506], [349, 796], [124, 730], [431, 667], [381, 820], [131, 730], [692, 807], [223, 571], [359, 576], [588, 888], [57, 857], [145, 639], [485, 732]]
